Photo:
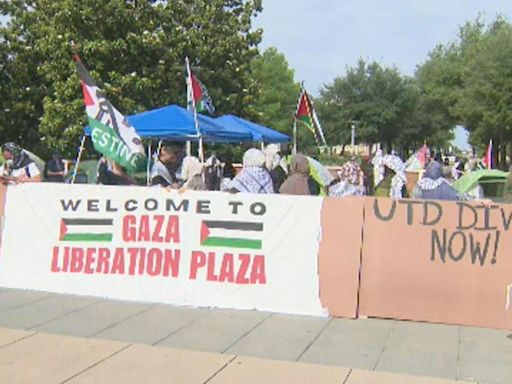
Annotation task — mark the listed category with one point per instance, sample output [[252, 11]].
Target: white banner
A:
[[146, 244]]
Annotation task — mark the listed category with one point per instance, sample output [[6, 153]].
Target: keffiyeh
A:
[[394, 163], [252, 179]]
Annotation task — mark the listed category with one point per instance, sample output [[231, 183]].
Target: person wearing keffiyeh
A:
[[391, 177], [253, 178]]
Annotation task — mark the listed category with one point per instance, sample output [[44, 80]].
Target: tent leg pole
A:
[[148, 168], [80, 151], [200, 150], [189, 148]]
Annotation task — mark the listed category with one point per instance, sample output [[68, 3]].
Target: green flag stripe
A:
[[232, 243], [87, 237]]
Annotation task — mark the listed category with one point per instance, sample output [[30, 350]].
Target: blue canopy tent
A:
[[177, 123], [259, 132]]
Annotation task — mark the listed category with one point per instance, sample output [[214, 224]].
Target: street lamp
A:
[[353, 134]]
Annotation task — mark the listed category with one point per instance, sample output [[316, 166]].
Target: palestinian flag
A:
[[307, 115], [197, 94], [86, 230], [111, 133], [487, 159], [231, 234]]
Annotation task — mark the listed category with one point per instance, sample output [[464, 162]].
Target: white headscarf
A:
[[191, 167], [254, 158], [272, 156]]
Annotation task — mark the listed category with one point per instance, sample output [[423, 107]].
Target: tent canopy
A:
[[177, 123], [471, 180], [259, 133]]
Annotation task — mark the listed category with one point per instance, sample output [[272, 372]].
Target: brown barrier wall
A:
[[339, 256], [442, 262]]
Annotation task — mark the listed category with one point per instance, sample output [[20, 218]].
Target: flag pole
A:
[[80, 151], [200, 149], [294, 150]]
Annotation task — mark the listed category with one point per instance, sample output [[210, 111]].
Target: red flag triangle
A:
[[88, 100], [205, 232], [63, 229]]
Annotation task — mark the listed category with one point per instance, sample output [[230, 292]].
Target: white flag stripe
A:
[[235, 234]]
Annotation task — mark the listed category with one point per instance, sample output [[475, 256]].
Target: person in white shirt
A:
[[18, 166]]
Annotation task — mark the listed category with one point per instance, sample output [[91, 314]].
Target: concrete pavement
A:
[[351, 351]]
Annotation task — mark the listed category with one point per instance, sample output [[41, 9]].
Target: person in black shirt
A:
[[54, 169]]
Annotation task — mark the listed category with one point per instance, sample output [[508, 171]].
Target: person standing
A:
[[166, 171], [18, 166], [54, 169]]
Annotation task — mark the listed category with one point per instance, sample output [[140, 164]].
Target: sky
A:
[[320, 38]]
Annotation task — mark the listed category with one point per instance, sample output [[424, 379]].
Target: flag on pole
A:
[[197, 94], [111, 134], [423, 153], [306, 114], [487, 159]]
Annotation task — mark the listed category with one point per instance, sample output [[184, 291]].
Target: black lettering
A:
[[93, 205], [258, 209], [426, 211], [476, 250], [487, 219], [70, 204], [151, 205], [462, 251], [506, 221], [441, 246], [171, 206], [466, 206], [234, 205], [130, 205], [203, 206], [496, 243], [110, 208], [381, 217], [410, 209]]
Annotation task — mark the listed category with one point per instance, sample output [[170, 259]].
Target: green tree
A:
[[134, 49], [380, 100], [468, 82], [277, 95]]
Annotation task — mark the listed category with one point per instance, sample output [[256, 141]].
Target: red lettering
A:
[[210, 275], [103, 263], [172, 234], [55, 260], [241, 277], [154, 262], [77, 260], [144, 232], [227, 269], [133, 260], [142, 261], [157, 237], [171, 262], [89, 260], [65, 265], [118, 262], [258, 275], [129, 230], [197, 261]]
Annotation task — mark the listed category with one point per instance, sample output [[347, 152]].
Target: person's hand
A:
[[487, 202]]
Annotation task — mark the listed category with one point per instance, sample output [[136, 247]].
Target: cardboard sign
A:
[[446, 262]]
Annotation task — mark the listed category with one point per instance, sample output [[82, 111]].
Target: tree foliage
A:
[[278, 92], [469, 82], [380, 101], [134, 49]]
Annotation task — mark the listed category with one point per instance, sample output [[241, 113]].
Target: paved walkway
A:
[[363, 346]]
